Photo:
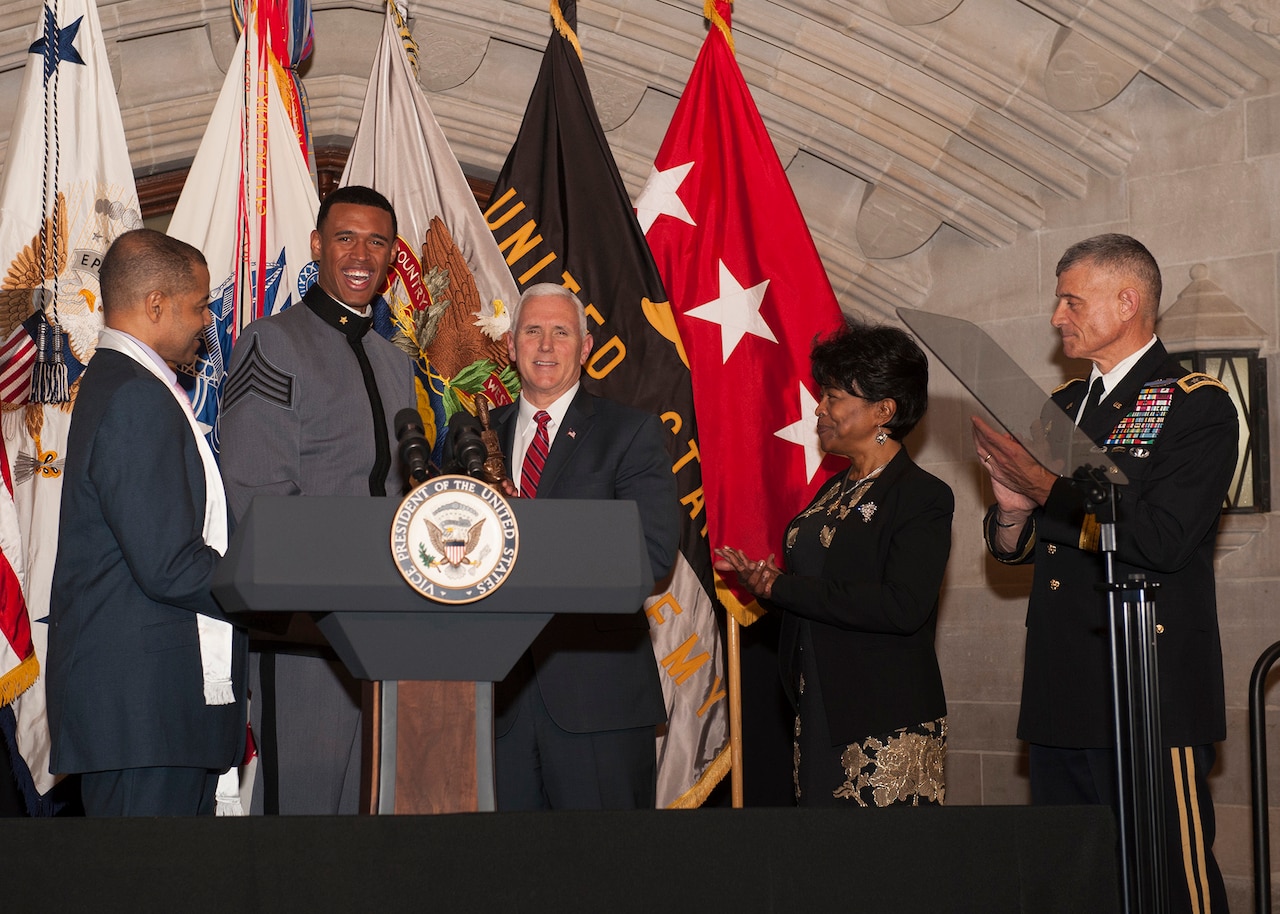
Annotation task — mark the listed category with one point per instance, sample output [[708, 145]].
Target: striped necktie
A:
[[535, 458]]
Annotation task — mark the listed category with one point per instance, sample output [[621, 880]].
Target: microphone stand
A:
[[1136, 708]]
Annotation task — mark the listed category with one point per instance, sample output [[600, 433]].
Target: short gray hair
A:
[[553, 290], [1123, 254]]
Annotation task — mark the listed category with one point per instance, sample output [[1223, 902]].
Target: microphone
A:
[[466, 445], [415, 453]]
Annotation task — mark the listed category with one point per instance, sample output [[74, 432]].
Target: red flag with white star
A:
[[750, 294]]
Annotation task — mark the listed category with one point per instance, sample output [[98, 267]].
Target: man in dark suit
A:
[[1174, 434], [146, 676], [575, 719]]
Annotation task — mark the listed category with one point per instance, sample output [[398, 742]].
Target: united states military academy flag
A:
[[66, 193], [251, 214], [750, 294], [449, 286], [560, 213]]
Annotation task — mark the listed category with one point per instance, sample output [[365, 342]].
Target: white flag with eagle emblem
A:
[[66, 193], [450, 285]]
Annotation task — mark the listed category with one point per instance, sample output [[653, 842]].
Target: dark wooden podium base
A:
[[427, 747]]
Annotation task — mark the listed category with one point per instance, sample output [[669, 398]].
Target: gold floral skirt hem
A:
[[906, 766]]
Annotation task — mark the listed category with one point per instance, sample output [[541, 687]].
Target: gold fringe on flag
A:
[[406, 37], [712, 15], [563, 27], [19, 679], [696, 795]]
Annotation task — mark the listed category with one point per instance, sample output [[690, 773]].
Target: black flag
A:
[[561, 213]]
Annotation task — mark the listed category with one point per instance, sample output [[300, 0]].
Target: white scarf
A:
[[215, 634]]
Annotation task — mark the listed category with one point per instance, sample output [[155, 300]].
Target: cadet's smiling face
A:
[[353, 251]]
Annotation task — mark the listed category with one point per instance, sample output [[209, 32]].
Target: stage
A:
[[957, 859]]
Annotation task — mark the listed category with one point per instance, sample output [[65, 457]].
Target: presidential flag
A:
[[750, 295], [249, 202], [66, 193], [449, 286], [560, 213]]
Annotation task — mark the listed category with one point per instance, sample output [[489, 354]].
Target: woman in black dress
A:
[[864, 564]]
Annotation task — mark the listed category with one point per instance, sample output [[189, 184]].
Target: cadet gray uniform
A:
[[303, 414]]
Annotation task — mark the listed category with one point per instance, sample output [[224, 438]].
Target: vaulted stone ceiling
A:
[[896, 119]]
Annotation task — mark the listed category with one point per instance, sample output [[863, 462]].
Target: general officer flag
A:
[[750, 295]]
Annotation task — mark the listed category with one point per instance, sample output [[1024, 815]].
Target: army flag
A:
[[750, 295], [249, 202], [449, 285], [66, 193], [561, 213]]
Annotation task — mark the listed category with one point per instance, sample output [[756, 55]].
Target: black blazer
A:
[[874, 608], [125, 688], [1166, 526], [597, 671]]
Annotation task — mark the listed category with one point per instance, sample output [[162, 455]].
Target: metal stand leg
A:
[[1139, 753], [1136, 705]]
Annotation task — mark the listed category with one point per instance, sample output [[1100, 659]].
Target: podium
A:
[[430, 666]]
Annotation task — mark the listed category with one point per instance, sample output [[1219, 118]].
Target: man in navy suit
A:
[[575, 719], [145, 675]]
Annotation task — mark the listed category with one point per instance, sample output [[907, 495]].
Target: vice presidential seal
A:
[[454, 539]]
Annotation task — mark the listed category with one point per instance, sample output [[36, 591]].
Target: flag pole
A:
[[735, 710]]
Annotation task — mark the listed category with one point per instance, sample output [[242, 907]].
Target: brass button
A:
[[1054, 584], [1051, 549], [1159, 629]]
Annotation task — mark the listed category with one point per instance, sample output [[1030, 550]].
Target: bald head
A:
[[156, 289], [144, 261]]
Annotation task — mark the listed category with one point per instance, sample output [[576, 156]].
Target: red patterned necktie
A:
[[536, 457]]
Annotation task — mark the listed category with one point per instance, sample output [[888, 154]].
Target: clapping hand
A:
[[757, 577]]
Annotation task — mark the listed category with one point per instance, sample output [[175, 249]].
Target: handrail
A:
[[1258, 772]]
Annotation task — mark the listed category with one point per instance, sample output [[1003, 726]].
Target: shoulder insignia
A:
[[256, 376], [1199, 379], [1066, 384], [1090, 534]]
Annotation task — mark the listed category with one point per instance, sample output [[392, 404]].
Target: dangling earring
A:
[[881, 437]]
